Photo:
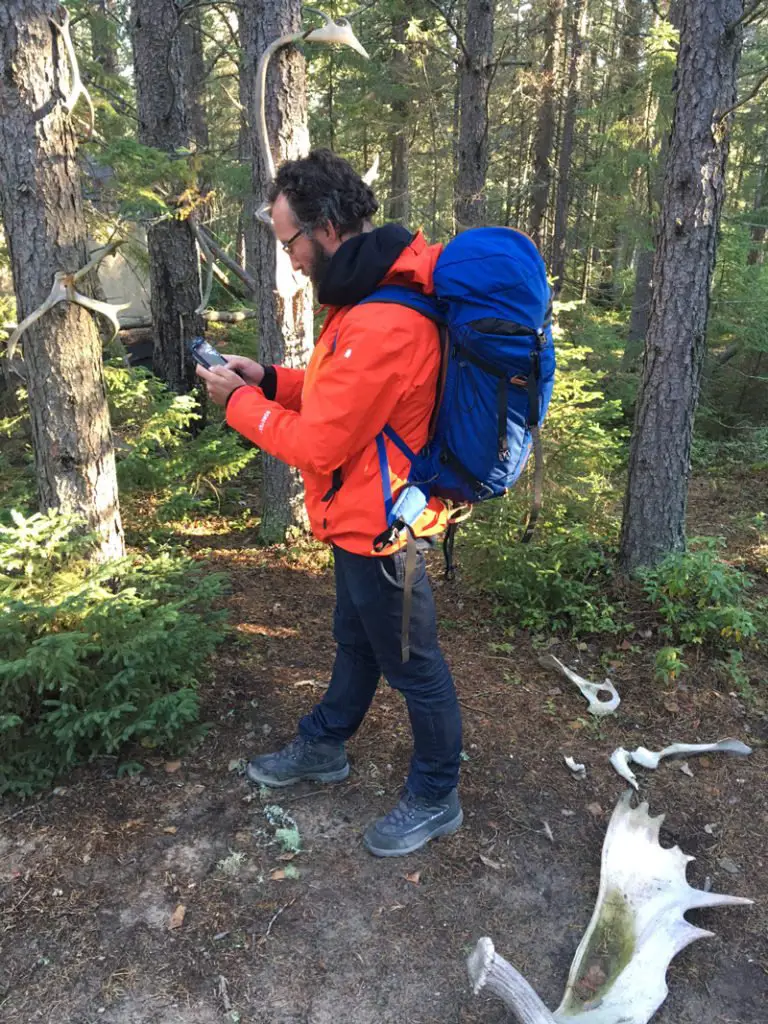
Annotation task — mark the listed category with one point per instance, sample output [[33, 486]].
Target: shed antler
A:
[[78, 89], [618, 974], [338, 31], [64, 290]]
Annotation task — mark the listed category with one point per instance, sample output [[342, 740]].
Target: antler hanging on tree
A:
[[77, 89], [64, 290], [337, 31]]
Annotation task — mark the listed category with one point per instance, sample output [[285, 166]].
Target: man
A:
[[375, 365]]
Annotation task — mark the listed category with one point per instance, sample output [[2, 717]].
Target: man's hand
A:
[[251, 371], [220, 381]]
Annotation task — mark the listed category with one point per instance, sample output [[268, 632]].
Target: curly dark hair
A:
[[323, 187]]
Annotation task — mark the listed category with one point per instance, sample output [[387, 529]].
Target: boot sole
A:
[[263, 779], [444, 830]]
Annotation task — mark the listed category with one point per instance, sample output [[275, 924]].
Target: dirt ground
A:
[[92, 875]]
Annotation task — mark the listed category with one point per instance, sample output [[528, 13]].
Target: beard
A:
[[320, 261]]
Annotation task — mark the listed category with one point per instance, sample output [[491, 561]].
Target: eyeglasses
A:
[[287, 245]]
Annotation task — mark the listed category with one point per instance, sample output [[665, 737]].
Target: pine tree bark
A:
[[694, 188], [43, 217], [577, 18], [475, 72], [399, 206], [545, 125], [163, 105], [284, 301], [191, 51]]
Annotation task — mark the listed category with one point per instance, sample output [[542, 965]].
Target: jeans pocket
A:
[[392, 568]]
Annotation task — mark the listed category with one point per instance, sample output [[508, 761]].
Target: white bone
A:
[[578, 770], [621, 758], [107, 309], [373, 171], [648, 759], [78, 89], [340, 32], [58, 293], [591, 691], [63, 289], [205, 293], [618, 975]]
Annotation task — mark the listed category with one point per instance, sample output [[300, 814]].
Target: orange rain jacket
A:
[[373, 365]]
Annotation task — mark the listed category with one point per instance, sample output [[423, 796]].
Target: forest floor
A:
[[93, 875]]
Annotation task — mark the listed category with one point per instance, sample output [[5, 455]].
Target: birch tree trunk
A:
[[475, 72], [43, 217], [694, 188], [157, 31], [284, 301]]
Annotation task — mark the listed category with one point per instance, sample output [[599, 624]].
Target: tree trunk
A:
[[578, 23], [641, 306], [545, 126], [193, 63], [475, 72], [756, 255], [398, 189], [43, 217], [694, 187], [104, 35], [162, 99], [284, 302]]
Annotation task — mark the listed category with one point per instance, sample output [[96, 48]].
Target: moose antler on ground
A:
[[63, 289], [77, 89], [618, 975]]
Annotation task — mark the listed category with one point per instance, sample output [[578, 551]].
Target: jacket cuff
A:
[[269, 383], [229, 396]]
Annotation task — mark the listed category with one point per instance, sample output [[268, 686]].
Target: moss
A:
[[608, 952]]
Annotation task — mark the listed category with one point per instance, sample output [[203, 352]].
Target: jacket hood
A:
[[389, 254]]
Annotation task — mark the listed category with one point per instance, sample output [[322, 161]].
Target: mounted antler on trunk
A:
[[78, 89], [618, 975], [64, 290], [338, 31]]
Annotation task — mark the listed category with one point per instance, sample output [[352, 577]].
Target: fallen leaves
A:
[[414, 878], [172, 766], [177, 917]]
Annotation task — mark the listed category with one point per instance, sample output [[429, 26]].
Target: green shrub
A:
[[701, 599], [93, 657], [157, 453]]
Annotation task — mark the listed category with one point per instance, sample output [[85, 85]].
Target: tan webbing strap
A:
[[411, 552], [538, 485]]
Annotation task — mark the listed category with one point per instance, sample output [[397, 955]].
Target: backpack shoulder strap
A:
[[399, 295]]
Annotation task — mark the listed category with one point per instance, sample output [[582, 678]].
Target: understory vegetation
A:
[[106, 660]]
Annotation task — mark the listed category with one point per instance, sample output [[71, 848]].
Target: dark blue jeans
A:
[[366, 627]]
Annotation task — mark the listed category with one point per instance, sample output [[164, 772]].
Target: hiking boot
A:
[[411, 824], [300, 759]]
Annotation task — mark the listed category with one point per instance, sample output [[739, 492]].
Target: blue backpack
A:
[[492, 302]]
